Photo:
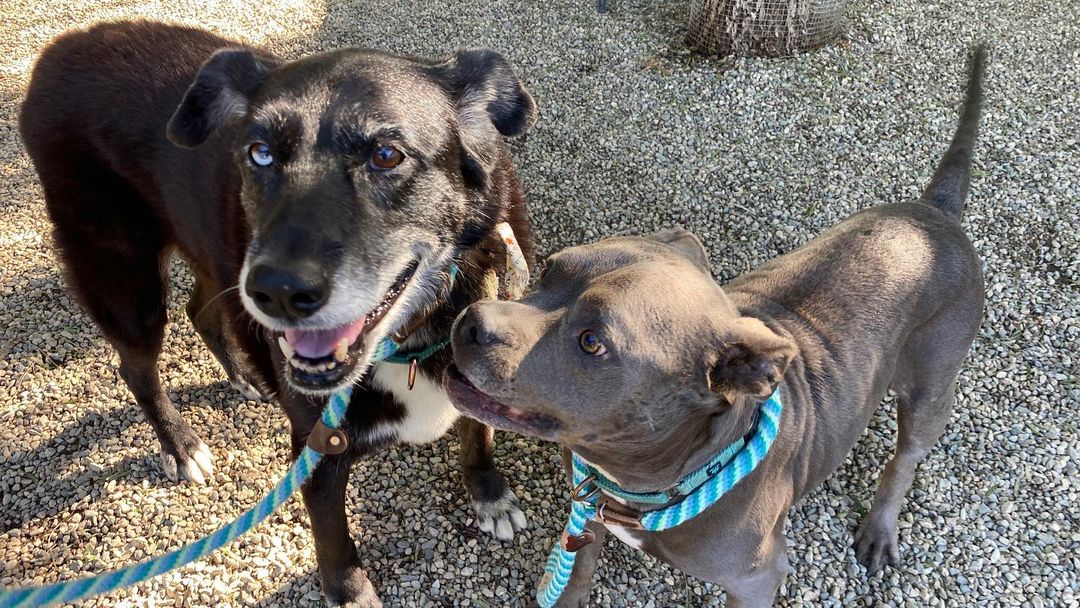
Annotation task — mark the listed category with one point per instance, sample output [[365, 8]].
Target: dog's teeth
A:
[[341, 351], [285, 347]]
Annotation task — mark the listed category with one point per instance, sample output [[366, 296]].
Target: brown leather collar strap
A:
[[326, 440], [612, 512]]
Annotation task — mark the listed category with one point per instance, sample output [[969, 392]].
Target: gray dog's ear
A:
[[686, 243], [222, 91], [490, 100], [750, 362]]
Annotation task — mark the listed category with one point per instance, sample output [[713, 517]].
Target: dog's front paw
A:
[[500, 517], [356, 591], [185, 457], [876, 545]]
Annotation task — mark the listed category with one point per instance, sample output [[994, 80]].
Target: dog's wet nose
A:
[[292, 292], [476, 328]]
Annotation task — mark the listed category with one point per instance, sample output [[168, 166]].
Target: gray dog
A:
[[630, 356]]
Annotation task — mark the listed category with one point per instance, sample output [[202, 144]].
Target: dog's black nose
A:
[[294, 291], [476, 330]]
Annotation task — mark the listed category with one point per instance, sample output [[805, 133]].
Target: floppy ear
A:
[[490, 101], [750, 362], [221, 92], [686, 243]]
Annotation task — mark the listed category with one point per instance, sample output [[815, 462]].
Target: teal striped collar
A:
[[687, 485], [596, 498]]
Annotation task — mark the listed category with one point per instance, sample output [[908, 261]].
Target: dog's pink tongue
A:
[[314, 344]]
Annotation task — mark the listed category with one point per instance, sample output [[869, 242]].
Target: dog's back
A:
[[93, 122], [97, 106]]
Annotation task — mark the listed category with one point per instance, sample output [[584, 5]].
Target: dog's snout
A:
[[295, 291], [479, 329]]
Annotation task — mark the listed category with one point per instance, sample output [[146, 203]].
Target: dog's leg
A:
[[206, 314], [116, 257], [921, 419], [925, 385], [496, 506], [576, 594], [344, 582], [756, 587], [183, 454]]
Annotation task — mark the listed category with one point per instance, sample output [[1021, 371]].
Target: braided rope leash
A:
[[299, 473], [71, 591], [726, 473], [516, 277]]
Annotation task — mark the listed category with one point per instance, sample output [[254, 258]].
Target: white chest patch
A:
[[428, 411], [626, 536]]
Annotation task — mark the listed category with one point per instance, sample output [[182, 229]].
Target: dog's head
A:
[[626, 351], [363, 175]]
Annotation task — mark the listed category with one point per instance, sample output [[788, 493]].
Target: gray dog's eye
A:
[[260, 154], [591, 344], [385, 158]]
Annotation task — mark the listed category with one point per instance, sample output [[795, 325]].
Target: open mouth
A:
[[321, 359], [479, 405]]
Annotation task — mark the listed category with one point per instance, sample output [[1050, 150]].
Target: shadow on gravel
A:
[[61, 471]]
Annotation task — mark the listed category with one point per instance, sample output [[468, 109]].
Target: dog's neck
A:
[[687, 452]]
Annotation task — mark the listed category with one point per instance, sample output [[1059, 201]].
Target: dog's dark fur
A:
[[123, 198]]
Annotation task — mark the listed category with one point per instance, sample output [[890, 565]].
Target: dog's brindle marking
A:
[[123, 199], [891, 297]]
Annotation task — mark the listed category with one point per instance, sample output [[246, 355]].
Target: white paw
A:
[[198, 467], [500, 518]]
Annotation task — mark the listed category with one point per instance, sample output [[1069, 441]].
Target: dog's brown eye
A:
[[386, 157], [591, 344]]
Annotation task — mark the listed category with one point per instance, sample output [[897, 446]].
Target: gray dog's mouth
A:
[[479, 405], [320, 359]]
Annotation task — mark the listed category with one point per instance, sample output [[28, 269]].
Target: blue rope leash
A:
[[560, 564], [71, 591], [298, 475]]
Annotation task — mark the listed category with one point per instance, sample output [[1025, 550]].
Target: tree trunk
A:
[[762, 27]]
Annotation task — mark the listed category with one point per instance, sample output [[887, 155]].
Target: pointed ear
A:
[[490, 101], [221, 92], [686, 243], [750, 362]]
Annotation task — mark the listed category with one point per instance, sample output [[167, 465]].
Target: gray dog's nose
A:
[[475, 331], [292, 291]]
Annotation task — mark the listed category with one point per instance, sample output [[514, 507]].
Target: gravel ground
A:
[[756, 156]]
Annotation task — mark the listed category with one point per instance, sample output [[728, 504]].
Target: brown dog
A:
[[628, 354], [326, 198]]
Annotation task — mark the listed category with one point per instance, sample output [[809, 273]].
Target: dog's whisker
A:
[[211, 301]]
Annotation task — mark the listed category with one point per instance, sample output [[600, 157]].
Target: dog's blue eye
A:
[[591, 344], [260, 154], [384, 158]]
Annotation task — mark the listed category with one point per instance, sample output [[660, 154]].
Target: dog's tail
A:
[[949, 187]]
